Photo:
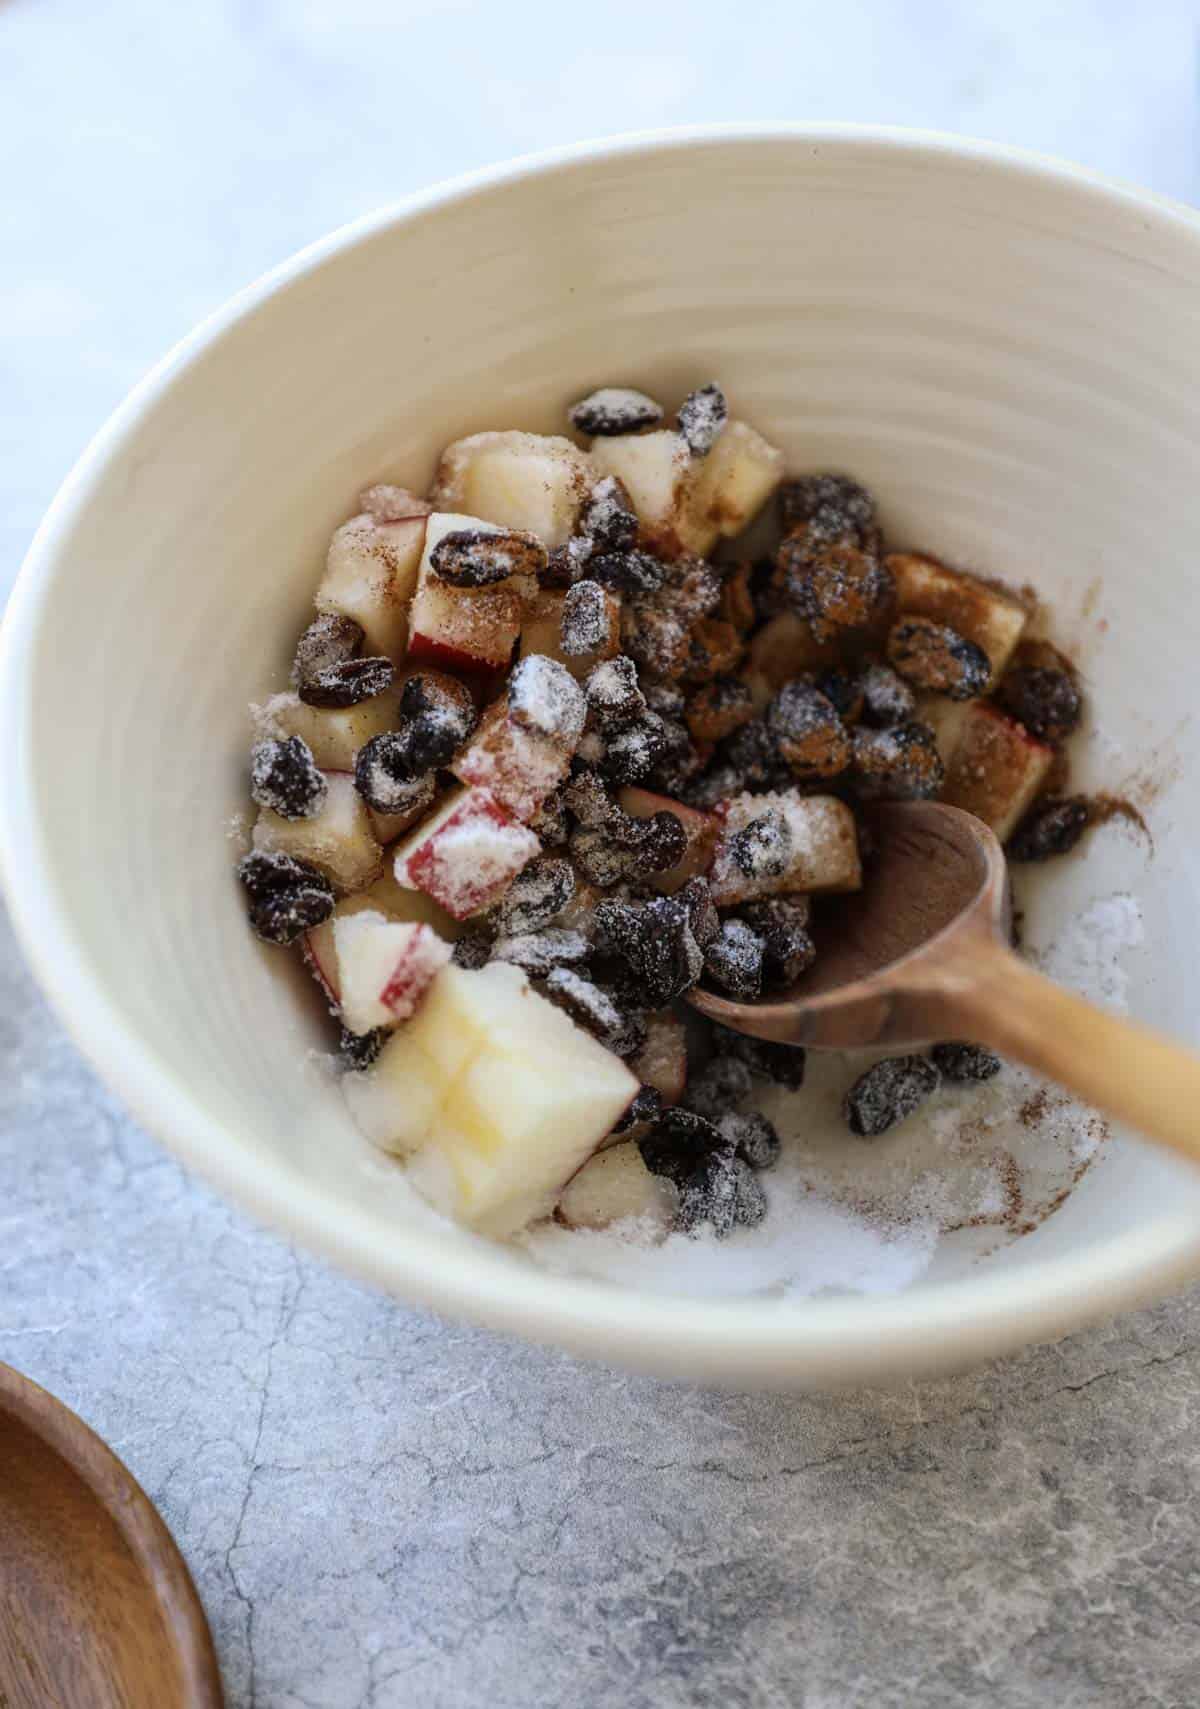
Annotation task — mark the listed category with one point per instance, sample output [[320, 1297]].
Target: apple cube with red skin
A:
[[997, 769], [384, 897], [467, 854], [532, 481], [338, 840], [701, 830], [371, 574], [824, 848], [469, 630], [384, 967], [520, 767]]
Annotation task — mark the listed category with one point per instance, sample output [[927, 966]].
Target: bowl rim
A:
[[788, 1342]]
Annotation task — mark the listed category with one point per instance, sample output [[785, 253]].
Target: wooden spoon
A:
[[97, 1610], [922, 953]]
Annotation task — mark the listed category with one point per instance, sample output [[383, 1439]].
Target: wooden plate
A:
[[97, 1609]]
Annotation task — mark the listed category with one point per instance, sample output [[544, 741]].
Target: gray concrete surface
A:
[[381, 1509]]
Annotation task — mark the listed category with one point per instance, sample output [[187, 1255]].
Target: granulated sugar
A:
[[866, 1216]]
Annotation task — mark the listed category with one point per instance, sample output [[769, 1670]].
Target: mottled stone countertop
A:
[[381, 1509]]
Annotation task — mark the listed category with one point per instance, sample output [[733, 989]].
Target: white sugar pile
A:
[[867, 1217]]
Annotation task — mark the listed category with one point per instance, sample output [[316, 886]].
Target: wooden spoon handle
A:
[[1118, 1066]]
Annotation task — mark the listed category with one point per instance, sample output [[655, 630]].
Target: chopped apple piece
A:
[[384, 897], [732, 484], [465, 629], [337, 840], [493, 1094], [520, 767], [662, 1060], [335, 734], [979, 612], [616, 1186], [996, 770], [784, 648], [384, 967], [533, 481], [655, 469], [370, 575], [466, 854], [701, 829], [823, 854]]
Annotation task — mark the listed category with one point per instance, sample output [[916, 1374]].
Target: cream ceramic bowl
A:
[[1006, 349]]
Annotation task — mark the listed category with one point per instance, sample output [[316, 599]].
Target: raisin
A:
[[646, 1107], [702, 417], [938, 659], [433, 691], [787, 952], [549, 823], [755, 1139], [596, 1011], [898, 764], [784, 1064], [737, 597], [718, 709], [1045, 700], [656, 637], [723, 1193], [284, 915], [384, 775], [626, 572], [665, 698], [537, 895], [752, 753], [265, 872], [888, 1094], [828, 497], [348, 683], [763, 848], [680, 1141], [478, 557], [662, 843], [329, 640], [473, 949], [733, 961], [285, 778], [844, 691], [656, 942], [612, 410], [632, 754], [565, 565], [433, 740], [808, 732], [613, 696], [359, 1051], [838, 589], [544, 697], [537, 953], [587, 620], [702, 914], [1052, 827], [887, 698], [959, 1061], [609, 519], [712, 787], [714, 649], [718, 1088], [677, 762], [586, 797]]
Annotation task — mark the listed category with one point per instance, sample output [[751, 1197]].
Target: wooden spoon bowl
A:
[[97, 1609], [922, 953]]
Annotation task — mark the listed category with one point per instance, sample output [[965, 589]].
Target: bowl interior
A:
[[1007, 354]]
